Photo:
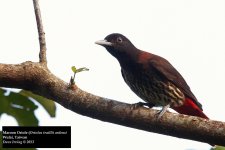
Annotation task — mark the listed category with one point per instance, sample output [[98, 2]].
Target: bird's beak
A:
[[103, 43]]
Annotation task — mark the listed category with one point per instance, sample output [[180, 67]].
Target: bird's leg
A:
[[140, 104], [162, 111]]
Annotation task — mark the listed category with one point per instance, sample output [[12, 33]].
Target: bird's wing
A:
[[165, 69]]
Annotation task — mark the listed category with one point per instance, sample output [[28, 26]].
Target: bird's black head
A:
[[119, 46]]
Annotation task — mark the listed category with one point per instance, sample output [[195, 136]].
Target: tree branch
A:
[[38, 79], [41, 33]]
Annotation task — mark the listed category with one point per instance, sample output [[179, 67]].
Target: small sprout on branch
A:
[[75, 71]]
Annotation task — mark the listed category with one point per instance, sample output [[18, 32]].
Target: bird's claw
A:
[[160, 113], [141, 104], [136, 105]]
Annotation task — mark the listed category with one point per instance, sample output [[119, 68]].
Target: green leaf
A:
[[48, 104], [82, 69], [18, 106], [0, 139], [74, 69], [218, 148]]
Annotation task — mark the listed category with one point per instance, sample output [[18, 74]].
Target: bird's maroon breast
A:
[[152, 88]]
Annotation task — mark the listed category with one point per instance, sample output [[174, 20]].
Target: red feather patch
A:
[[190, 108]]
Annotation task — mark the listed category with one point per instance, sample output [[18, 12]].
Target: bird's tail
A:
[[190, 108]]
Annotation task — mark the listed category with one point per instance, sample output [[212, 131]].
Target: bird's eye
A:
[[119, 40]]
